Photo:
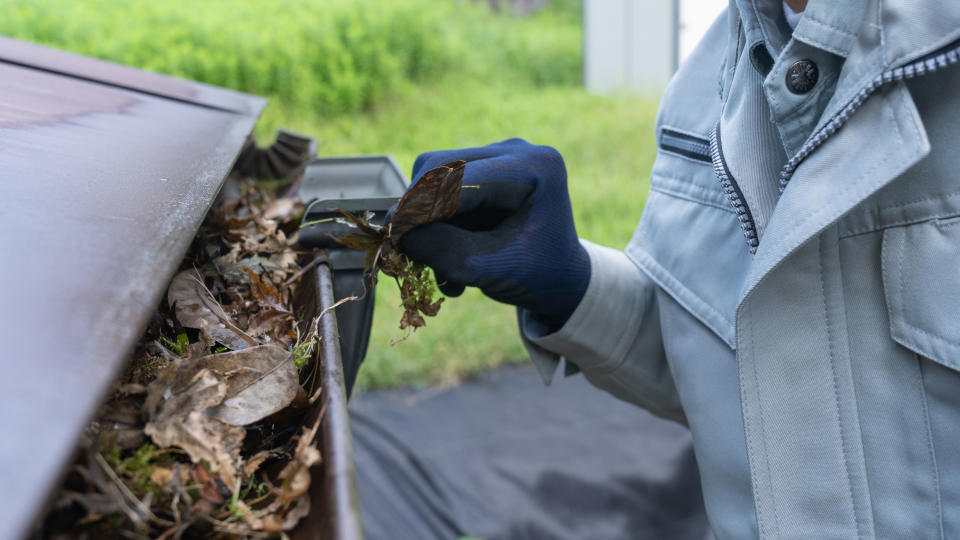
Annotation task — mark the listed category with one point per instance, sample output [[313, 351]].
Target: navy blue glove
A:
[[512, 235]]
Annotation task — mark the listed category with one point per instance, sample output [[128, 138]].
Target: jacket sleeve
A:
[[613, 336]]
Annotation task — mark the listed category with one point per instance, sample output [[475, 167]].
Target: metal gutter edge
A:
[[335, 507]]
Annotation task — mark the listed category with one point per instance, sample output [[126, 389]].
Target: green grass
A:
[[330, 56], [399, 77]]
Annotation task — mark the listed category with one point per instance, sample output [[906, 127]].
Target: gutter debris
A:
[[203, 435]]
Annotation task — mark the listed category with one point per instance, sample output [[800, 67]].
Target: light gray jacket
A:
[[818, 375]]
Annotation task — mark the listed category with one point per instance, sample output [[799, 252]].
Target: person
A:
[[791, 290]]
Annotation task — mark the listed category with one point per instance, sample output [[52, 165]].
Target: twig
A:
[[306, 268], [335, 305], [317, 222], [176, 531], [229, 528], [140, 506]]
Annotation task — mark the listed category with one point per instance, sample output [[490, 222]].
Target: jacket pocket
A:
[[688, 145], [921, 283]]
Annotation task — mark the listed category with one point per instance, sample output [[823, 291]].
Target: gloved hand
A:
[[512, 235]]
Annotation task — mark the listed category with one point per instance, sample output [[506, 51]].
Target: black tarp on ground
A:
[[505, 457]]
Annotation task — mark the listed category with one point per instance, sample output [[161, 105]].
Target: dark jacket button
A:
[[802, 76]]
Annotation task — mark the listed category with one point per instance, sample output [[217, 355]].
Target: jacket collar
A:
[[844, 170], [892, 33], [873, 35], [823, 25]]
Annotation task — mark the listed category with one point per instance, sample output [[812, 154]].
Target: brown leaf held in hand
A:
[[435, 197]]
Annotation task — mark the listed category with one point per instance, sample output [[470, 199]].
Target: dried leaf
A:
[[120, 424], [194, 396], [255, 461], [194, 306], [203, 345], [295, 512], [286, 260], [207, 483], [236, 271], [181, 388], [238, 387], [161, 476], [273, 319], [229, 258], [266, 295], [177, 419], [277, 326], [282, 209], [260, 382], [203, 439], [292, 502], [361, 222], [198, 405], [434, 197]]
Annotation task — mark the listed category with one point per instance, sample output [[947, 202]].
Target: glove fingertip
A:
[[453, 290]]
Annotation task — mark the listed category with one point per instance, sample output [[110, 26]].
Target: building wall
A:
[[636, 45]]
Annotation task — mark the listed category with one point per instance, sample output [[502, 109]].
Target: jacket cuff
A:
[[598, 335]]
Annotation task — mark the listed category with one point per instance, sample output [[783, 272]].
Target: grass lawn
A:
[[608, 146]]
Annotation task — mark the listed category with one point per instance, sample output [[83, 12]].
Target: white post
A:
[[630, 44]]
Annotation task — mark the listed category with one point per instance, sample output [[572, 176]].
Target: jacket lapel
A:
[[841, 173], [844, 171]]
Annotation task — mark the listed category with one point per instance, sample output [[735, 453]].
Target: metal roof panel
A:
[[105, 175]]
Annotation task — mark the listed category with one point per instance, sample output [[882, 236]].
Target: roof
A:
[[106, 172]]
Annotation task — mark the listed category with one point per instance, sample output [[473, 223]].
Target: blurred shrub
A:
[[331, 56]]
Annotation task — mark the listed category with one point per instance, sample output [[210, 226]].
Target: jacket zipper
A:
[[708, 151], [691, 146], [934, 61], [729, 184]]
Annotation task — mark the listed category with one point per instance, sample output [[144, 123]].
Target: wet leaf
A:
[[361, 241], [434, 197], [194, 305]]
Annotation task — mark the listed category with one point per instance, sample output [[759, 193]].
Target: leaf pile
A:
[[202, 437], [435, 197]]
